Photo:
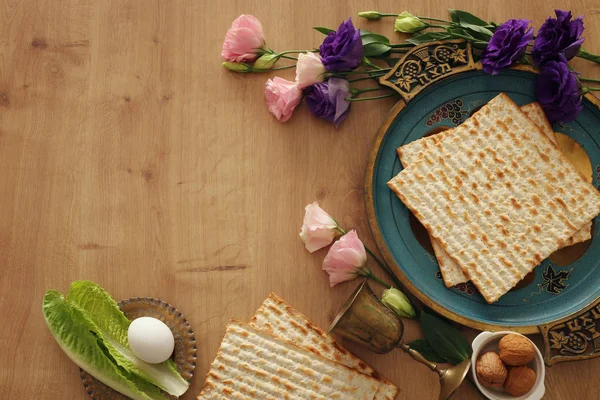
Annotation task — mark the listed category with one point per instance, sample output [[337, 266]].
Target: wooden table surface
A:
[[130, 157]]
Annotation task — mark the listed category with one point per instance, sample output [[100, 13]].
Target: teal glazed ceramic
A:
[[556, 291]]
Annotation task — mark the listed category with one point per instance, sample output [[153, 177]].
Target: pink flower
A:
[[309, 70], [282, 97], [345, 259], [318, 228], [243, 40]]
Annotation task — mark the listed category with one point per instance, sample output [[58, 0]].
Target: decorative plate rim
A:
[[385, 251]]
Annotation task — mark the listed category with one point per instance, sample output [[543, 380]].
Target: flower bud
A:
[[370, 14], [408, 23], [398, 302], [237, 67], [266, 61]]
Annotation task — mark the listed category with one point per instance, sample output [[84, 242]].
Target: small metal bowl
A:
[[184, 354]]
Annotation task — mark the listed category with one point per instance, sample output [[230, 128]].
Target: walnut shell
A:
[[516, 350], [490, 369], [520, 381]]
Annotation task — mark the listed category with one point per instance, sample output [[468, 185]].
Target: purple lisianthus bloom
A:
[[559, 92], [558, 36], [327, 100], [507, 45], [342, 50]]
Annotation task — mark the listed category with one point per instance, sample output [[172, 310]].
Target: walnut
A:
[[520, 381], [490, 370], [516, 350]]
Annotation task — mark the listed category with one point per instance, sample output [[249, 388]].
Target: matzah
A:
[[498, 195], [535, 112], [452, 274], [411, 152], [252, 364], [280, 319]]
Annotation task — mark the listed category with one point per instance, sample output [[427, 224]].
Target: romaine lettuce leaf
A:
[[111, 326], [71, 329]]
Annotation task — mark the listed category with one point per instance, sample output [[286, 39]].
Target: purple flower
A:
[[558, 36], [559, 92], [327, 100], [507, 45], [342, 50]]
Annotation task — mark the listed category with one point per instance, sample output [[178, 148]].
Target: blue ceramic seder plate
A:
[[556, 291]]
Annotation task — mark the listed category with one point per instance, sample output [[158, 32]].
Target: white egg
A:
[[151, 340]]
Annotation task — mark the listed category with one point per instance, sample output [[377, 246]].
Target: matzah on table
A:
[[282, 355]]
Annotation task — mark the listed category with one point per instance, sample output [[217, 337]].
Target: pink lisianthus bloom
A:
[[244, 40], [318, 228], [346, 259], [282, 97], [309, 70]]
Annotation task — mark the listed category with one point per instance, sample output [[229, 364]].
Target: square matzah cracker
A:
[[280, 319], [535, 112], [411, 152], [252, 364], [498, 196]]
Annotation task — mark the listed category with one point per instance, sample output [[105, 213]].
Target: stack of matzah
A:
[[496, 196], [282, 355]]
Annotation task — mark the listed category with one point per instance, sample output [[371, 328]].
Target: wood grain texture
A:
[[128, 156]]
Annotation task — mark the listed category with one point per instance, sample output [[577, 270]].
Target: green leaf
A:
[[72, 329], [111, 325], [375, 49], [428, 37], [369, 37], [423, 347], [369, 63], [479, 29], [446, 340], [459, 16], [324, 31]]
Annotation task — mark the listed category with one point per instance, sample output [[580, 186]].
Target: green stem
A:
[[590, 89], [444, 27], [366, 77], [272, 69], [340, 229], [586, 55], [398, 45], [376, 279], [297, 51], [384, 267], [362, 72], [290, 58], [589, 79], [367, 63], [436, 19], [374, 89], [370, 98]]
